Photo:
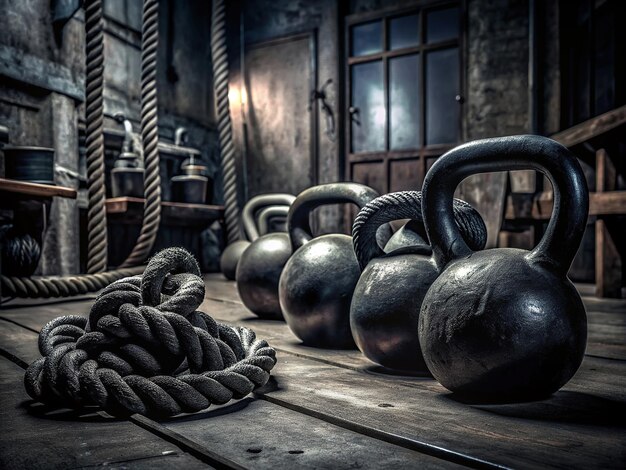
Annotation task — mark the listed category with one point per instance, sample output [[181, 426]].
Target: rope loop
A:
[[145, 348]]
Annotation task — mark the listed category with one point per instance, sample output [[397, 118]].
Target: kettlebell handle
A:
[[571, 198], [254, 204], [324, 194], [267, 214], [408, 205]]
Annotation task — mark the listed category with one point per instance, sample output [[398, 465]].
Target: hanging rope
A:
[[146, 349], [149, 136], [53, 286], [94, 116], [219, 56]]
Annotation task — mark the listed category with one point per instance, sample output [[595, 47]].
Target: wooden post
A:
[[608, 259]]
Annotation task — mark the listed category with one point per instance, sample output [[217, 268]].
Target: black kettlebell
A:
[[232, 253], [318, 280], [412, 233], [272, 219], [504, 324], [387, 299], [258, 273]]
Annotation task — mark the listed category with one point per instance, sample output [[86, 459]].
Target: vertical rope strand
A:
[[149, 136], [97, 221], [219, 56]]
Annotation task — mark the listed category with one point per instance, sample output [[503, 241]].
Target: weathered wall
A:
[[42, 92], [42, 84], [496, 100]]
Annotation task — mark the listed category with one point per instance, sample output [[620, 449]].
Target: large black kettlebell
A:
[[387, 299], [232, 253], [318, 280], [504, 324]]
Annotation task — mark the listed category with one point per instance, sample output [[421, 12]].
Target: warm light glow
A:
[[379, 116], [235, 97]]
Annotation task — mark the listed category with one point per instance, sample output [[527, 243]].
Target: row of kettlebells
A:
[[498, 323]]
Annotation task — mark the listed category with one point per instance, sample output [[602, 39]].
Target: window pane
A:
[[442, 86], [442, 25], [367, 38], [403, 32], [404, 102], [368, 97]]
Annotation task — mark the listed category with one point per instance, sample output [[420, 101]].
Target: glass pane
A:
[[403, 32], [367, 38], [442, 25], [368, 100], [442, 86], [404, 102]]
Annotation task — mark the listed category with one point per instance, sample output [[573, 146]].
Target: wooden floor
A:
[[324, 409]]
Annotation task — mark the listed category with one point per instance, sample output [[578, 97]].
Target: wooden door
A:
[[281, 137]]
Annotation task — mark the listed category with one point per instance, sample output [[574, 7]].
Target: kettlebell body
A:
[[385, 310], [518, 330], [316, 289], [251, 229], [386, 304], [230, 257], [258, 273], [504, 324], [318, 281]]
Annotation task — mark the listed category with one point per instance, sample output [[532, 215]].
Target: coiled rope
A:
[[146, 349], [219, 57], [52, 286], [408, 205]]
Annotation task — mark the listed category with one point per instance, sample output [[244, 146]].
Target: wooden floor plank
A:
[[259, 434], [30, 438], [574, 428]]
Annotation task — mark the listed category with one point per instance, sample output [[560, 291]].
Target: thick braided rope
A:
[[408, 205], [146, 349], [94, 116], [149, 136], [219, 56], [52, 286]]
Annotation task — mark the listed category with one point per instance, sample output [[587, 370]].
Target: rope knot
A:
[[145, 348]]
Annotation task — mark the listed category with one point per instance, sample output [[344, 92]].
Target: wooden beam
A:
[[608, 259], [35, 189], [592, 128]]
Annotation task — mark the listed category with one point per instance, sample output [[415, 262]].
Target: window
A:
[[403, 87]]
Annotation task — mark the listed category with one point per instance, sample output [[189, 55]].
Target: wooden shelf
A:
[[35, 190], [130, 210]]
